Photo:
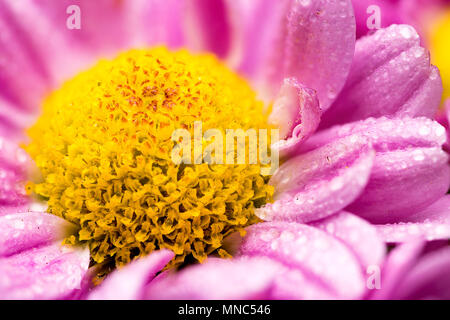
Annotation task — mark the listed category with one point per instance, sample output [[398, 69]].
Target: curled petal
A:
[[390, 58], [23, 231], [433, 223], [317, 184], [49, 272], [129, 282], [239, 278], [398, 263], [428, 279], [317, 254], [296, 113], [360, 236]]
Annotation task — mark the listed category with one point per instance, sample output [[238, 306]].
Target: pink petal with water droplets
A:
[[443, 117], [433, 223], [23, 231], [428, 279], [398, 263], [15, 165], [315, 43], [239, 278], [317, 184], [391, 58], [320, 256], [216, 279], [410, 170], [296, 113], [128, 283], [49, 272], [360, 236], [403, 182], [384, 134]]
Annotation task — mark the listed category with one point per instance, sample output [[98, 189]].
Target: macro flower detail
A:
[[103, 145], [104, 195]]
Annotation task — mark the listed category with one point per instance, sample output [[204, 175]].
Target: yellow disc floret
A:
[[103, 145]]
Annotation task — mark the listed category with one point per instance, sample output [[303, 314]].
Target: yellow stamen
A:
[[103, 145]]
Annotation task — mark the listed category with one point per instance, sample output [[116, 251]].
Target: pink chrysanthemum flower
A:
[[362, 160]]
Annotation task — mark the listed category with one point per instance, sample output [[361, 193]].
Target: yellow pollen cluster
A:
[[103, 145]]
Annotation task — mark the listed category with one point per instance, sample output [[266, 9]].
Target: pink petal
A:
[[19, 57], [296, 113], [443, 117], [317, 184], [410, 170], [157, 22], [15, 165], [239, 278], [433, 223], [106, 27], [397, 264], [360, 236], [49, 272], [217, 279], [403, 182], [389, 11], [209, 28], [314, 35], [128, 283], [384, 133], [298, 39], [428, 279], [317, 254], [391, 58], [23, 231]]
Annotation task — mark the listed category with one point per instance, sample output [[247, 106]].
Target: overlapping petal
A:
[[390, 58], [129, 282], [397, 264], [218, 279], [410, 169], [27, 230], [318, 255], [319, 183], [240, 278], [428, 279], [360, 236], [433, 223], [48, 272]]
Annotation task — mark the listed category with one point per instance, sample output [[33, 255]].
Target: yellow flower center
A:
[[103, 145]]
